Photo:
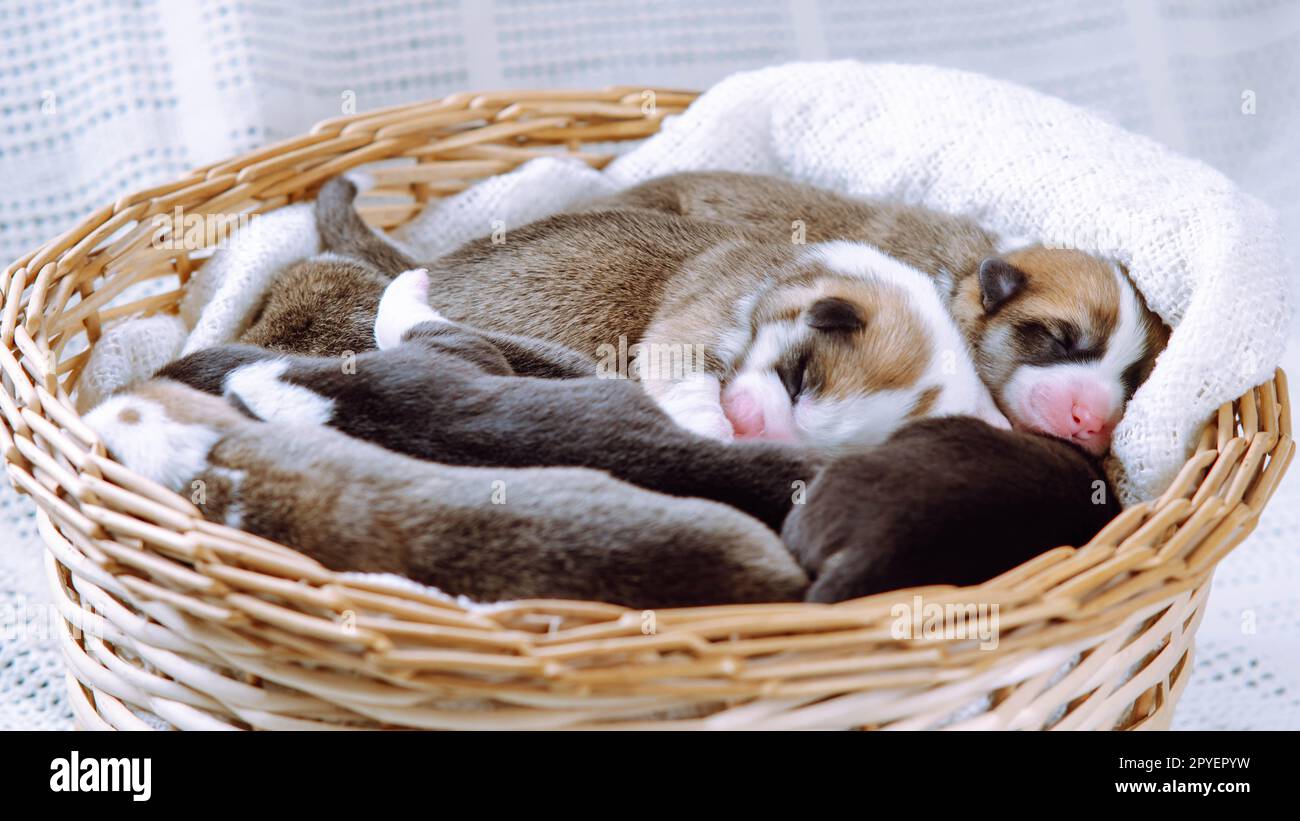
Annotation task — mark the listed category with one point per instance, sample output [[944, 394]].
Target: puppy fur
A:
[[325, 305], [447, 393], [491, 534], [1060, 337], [945, 501], [322, 306], [832, 345]]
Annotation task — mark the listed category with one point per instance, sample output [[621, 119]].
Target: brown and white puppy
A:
[[944, 501], [832, 345], [487, 533], [1062, 338], [444, 392]]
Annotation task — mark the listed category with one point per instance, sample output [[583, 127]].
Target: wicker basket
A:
[[170, 620]]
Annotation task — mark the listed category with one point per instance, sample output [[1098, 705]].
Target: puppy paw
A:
[[709, 424], [404, 305], [694, 404]]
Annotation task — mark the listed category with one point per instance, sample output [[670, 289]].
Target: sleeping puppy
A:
[[444, 392], [490, 534], [325, 306], [829, 346], [945, 501], [1062, 338], [321, 306]]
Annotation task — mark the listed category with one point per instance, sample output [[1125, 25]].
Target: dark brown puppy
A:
[[450, 395], [944, 501]]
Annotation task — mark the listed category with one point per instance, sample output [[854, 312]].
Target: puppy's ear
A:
[[999, 281], [835, 315]]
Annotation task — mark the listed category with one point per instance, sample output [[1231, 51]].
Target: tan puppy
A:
[[832, 345]]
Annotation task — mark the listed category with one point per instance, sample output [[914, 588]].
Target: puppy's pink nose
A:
[[1086, 423], [750, 418], [1080, 411], [1090, 430], [744, 413]]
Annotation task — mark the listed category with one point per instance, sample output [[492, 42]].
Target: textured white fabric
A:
[[101, 99], [127, 353], [215, 309], [536, 189], [32, 692]]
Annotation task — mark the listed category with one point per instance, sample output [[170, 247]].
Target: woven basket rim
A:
[[121, 548]]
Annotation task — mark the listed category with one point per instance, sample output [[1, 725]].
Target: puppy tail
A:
[[343, 232]]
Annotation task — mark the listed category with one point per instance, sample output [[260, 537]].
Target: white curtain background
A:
[[101, 98]]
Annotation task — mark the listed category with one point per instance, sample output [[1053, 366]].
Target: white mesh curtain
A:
[[101, 98]]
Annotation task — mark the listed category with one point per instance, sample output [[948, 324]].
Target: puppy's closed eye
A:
[[792, 370], [1038, 339], [1046, 343]]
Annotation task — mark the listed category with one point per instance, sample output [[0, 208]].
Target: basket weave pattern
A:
[[171, 620]]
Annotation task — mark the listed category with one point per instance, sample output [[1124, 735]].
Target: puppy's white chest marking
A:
[[260, 387]]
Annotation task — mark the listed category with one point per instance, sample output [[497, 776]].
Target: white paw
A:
[[404, 305], [988, 411], [707, 423], [702, 418], [694, 404]]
